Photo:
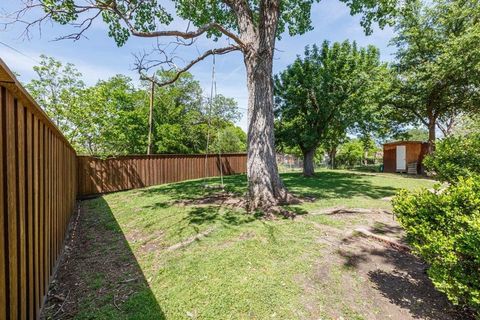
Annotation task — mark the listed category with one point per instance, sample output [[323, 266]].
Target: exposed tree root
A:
[[383, 239], [190, 240], [231, 200]]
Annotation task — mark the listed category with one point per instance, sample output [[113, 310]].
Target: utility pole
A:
[[150, 118]]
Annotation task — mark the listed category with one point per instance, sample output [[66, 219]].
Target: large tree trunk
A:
[[308, 163], [265, 188], [331, 156], [431, 134]]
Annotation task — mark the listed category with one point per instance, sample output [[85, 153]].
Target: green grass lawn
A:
[[244, 268]]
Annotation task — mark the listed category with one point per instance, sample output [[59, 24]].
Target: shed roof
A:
[[403, 142]]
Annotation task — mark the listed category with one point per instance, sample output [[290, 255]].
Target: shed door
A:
[[401, 158]]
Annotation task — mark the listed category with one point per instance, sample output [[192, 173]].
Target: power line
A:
[[18, 51]]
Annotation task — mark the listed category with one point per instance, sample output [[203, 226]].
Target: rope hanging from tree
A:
[[213, 95]]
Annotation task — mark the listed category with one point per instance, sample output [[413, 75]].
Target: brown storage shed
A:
[[404, 156]]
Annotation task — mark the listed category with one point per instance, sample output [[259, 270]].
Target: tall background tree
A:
[[110, 118], [252, 27], [333, 89], [438, 62], [56, 88], [184, 119]]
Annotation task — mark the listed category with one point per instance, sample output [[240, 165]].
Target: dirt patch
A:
[[366, 277], [225, 199], [232, 200], [97, 270], [383, 239], [149, 242], [345, 210]]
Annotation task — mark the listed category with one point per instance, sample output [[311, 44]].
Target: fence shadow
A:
[[99, 275], [98, 175]]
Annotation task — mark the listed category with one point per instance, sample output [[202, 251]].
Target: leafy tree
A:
[[467, 124], [111, 118], [331, 90], [178, 117], [350, 153], [415, 133], [369, 147], [230, 139], [56, 89], [454, 157], [252, 26], [438, 61], [184, 119]]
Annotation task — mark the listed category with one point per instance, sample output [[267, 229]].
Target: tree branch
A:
[[244, 15], [219, 51], [110, 6], [176, 33]]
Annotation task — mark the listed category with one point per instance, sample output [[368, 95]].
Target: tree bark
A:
[[431, 134], [265, 188], [331, 155], [308, 163]]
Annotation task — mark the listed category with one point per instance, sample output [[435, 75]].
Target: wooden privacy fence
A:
[[41, 176], [37, 192], [97, 175]]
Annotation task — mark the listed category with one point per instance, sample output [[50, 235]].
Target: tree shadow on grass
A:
[[195, 189], [99, 275], [324, 185], [331, 184], [211, 217], [213, 214]]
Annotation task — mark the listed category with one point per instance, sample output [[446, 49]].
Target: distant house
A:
[[404, 156]]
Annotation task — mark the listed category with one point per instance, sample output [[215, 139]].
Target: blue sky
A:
[[98, 57]]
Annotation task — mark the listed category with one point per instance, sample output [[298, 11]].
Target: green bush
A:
[[455, 157], [444, 229], [350, 154]]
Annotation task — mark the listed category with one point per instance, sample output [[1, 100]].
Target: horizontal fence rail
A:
[[38, 193], [96, 175]]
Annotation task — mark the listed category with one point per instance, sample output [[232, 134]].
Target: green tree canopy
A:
[[56, 88], [438, 61], [350, 153], [333, 89], [110, 118]]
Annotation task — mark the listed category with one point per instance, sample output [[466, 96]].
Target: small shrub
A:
[[455, 157], [444, 229]]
